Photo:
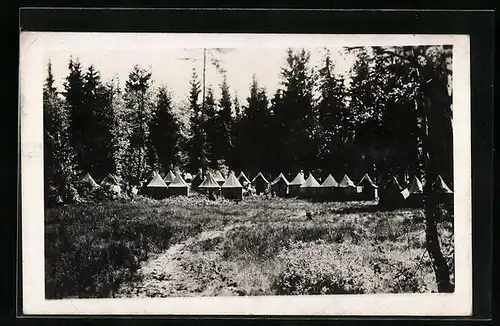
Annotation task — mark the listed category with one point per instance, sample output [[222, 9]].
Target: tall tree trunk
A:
[[431, 202], [139, 162]]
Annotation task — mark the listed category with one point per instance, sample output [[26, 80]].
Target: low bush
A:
[[321, 269]]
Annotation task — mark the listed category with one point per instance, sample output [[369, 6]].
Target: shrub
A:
[[320, 269]]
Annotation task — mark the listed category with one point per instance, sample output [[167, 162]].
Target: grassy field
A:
[[193, 246]]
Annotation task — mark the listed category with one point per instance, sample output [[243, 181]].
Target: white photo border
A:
[[34, 46]]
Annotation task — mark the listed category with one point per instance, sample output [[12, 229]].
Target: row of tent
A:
[[232, 187], [110, 182]]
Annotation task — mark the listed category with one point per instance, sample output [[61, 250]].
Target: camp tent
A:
[[393, 194], [169, 177], [310, 187], [280, 186], [415, 186], [156, 188], [197, 180], [218, 177], [110, 179], [441, 191], [441, 187], [261, 184], [329, 189], [111, 182], [178, 187], [209, 186], [348, 189], [89, 181], [232, 188], [416, 191], [369, 190], [151, 176], [296, 183], [87, 186], [242, 178]]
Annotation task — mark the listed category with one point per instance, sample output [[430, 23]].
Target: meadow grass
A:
[[92, 248]]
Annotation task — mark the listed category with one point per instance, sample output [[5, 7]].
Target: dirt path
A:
[[164, 276]]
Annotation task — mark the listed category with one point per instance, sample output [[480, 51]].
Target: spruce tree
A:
[[78, 116], [197, 147], [98, 131], [212, 127], [224, 148], [332, 117], [165, 132], [138, 103], [59, 165], [297, 85], [255, 124]]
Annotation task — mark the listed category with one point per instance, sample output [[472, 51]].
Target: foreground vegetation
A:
[[260, 247]]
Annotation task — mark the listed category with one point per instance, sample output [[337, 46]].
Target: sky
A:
[[170, 69], [115, 54]]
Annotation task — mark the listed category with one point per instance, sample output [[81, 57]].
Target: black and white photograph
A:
[[215, 167]]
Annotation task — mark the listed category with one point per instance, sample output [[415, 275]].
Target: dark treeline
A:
[[316, 121]]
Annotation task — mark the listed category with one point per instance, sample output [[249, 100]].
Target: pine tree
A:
[[197, 147], [59, 165], [255, 124], [332, 116], [237, 134], [212, 127], [224, 148], [165, 132], [138, 102], [98, 131], [78, 116], [297, 84]]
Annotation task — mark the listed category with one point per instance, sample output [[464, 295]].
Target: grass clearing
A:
[[255, 247]]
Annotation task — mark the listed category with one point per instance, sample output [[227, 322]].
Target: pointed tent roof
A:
[[157, 181], [231, 182], [440, 186], [366, 180], [243, 176], [280, 177], [393, 182], [415, 186], [169, 177], [209, 182], [152, 175], [330, 182], [310, 182], [178, 182], [218, 176], [111, 179], [298, 180], [346, 182], [87, 178], [261, 176]]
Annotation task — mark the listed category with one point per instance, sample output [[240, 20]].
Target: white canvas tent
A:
[[369, 190], [310, 187], [280, 186], [260, 182], [296, 183], [178, 187], [232, 188], [156, 187]]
